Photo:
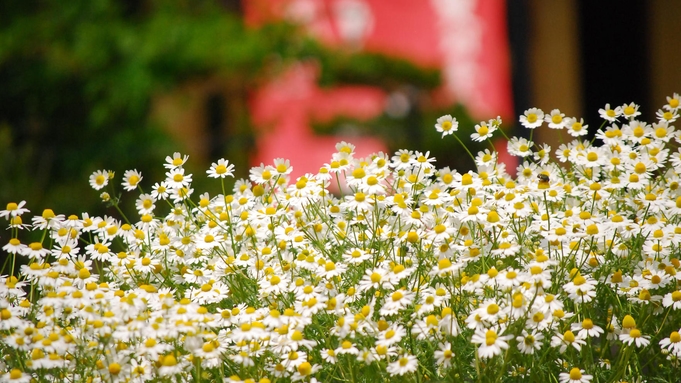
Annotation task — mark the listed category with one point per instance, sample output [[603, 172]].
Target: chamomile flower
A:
[[630, 111], [176, 161], [444, 355], [673, 102], [446, 125], [635, 337], [483, 131], [15, 375], [490, 342], [609, 114], [374, 278], [176, 178], [587, 328], [397, 301], [532, 118], [672, 300], [667, 116], [282, 166], [541, 155], [170, 366], [432, 298], [489, 311], [131, 179], [519, 146], [567, 339], [484, 158], [99, 179], [356, 255], [556, 119], [581, 289], [347, 347], [405, 364], [576, 375], [329, 355], [403, 159], [145, 204], [672, 343], [424, 161], [345, 147], [35, 250], [528, 343], [160, 191], [575, 127], [68, 250], [262, 174], [221, 169], [14, 209], [637, 131], [180, 194], [391, 336]]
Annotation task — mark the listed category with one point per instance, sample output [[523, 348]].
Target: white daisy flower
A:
[[446, 125]]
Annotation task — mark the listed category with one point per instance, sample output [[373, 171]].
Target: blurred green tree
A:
[[79, 77]]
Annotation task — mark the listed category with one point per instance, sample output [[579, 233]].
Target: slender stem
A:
[[465, 148]]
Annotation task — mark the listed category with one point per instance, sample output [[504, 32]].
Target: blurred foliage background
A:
[[78, 79]]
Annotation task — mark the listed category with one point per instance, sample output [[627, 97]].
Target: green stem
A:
[[465, 147]]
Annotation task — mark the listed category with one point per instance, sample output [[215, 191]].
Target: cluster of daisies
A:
[[568, 271]]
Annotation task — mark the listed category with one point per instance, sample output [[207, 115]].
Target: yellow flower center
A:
[[490, 337], [676, 296], [397, 296], [492, 309], [133, 180], [404, 361], [675, 337], [169, 360], [628, 322], [114, 368], [305, 369], [575, 374], [444, 263], [15, 374], [587, 324], [372, 180], [405, 157]]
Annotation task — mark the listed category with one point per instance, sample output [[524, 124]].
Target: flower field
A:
[[567, 272]]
